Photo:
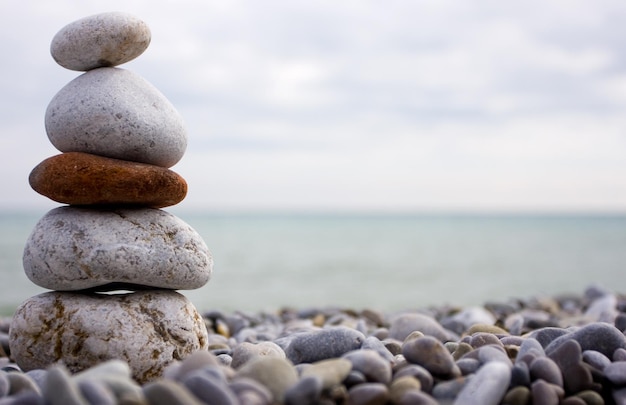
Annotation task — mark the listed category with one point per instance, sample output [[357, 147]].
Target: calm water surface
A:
[[264, 262]]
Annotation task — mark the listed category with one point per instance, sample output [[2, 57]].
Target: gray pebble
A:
[[5, 386], [168, 392], [250, 392], [493, 353], [274, 373], [431, 354], [106, 39], [330, 372], [213, 391], [596, 359], [323, 344], [116, 113], [372, 343], [38, 375], [520, 374], [576, 375], [368, 394], [619, 355], [307, 391], [403, 325], [546, 369], [60, 389], [20, 383], [530, 345], [245, 351], [354, 378], [487, 386], [197, 360], [544, 393], [546, 335], [448, 390], [616, 372], [24, 398], [371, 364], [419, 372], [599, 336], [468, 366], [96, 393]]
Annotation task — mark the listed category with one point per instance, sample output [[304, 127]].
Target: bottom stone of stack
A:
[[147, 329]]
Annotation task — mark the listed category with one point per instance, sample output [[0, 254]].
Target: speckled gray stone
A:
[[106, 39], [323, 344], [116, 113], [74, 248], [147, 329]]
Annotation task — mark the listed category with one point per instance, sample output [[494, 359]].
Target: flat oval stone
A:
[[106, 39], [74, 248], [488, 386], [147, 329], [84, 179], [309, 347], [116, 113]]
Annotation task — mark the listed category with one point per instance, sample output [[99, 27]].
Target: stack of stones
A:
[[112, 255]]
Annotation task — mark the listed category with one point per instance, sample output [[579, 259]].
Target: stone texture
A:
[[147, 329], [488, 386], [74, 248], [309, 347], [85, 179], [106, 39], [115, 113]]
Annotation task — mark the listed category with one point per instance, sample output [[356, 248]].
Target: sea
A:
[[267, 262]]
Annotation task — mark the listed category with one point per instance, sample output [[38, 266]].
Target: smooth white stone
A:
[[73, 248], [116, 113], [107, 39], [147, 329]]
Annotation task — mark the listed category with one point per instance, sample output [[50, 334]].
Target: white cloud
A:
[[363, 105]]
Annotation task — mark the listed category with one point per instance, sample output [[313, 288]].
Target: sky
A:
[[372, 106]]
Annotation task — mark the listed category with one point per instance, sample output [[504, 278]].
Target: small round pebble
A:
[[371, 364], [431, 354], [323, 344], [616, 372], [368, 394]]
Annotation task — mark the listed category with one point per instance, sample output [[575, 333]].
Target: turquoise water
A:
[[264, 262]]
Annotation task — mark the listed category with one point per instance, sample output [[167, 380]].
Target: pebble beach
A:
[[566, 349]]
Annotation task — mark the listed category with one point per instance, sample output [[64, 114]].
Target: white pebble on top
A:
[[101, 40]]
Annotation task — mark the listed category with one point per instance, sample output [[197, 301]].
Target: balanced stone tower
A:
[[113, 257]]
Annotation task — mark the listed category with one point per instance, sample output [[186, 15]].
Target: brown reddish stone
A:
[[84, 179]]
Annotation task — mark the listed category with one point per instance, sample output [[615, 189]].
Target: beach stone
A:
[[84, 179], [616, 372], [544, 393], [468, 366], [330, 372], [431, 354], [197, 360], [546, 369], [598, 336], [519, 395], [309, 347], [96, 392], [371, 364], [590, 397], [250, 392], [520, 374], [74, 248], [446, 391], [479, 339], [529, 345], [106, 39], [245, 351], [307, 391], [25, 398], [373, 343], [276, 374], [419, 372], [400, 387], [147, 329], [546, 335], [116, 113], [368, 394], [4, 384], [619, 355], [596, 359], [403, 325], [20, 383], [487, 387], [168, 392], [209, 390], [60, 389], [38, 376], [576, 376]]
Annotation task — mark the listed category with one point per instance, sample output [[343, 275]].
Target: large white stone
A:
[[116, 113], [74, 248], [147, 329], [107, 39]]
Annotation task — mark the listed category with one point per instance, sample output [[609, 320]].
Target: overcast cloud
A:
[[357, 105]]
